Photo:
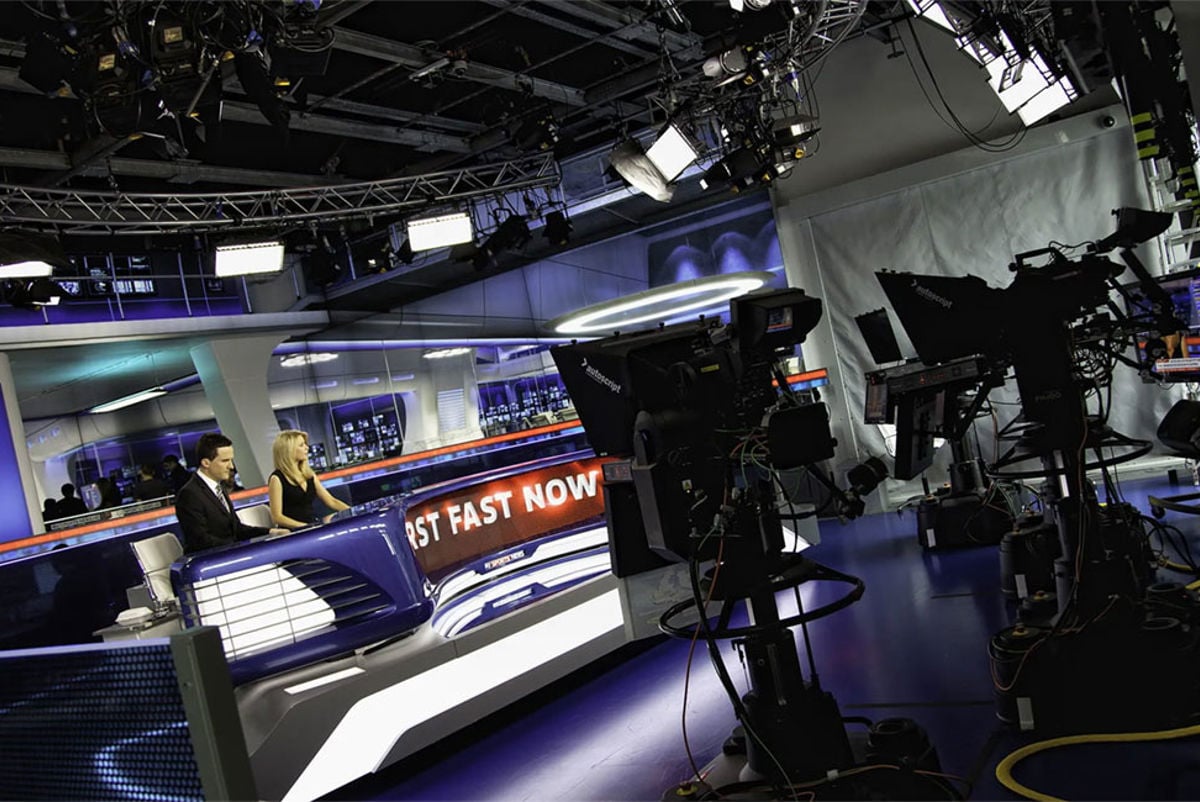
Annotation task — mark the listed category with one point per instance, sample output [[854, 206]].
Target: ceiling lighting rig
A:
[[1029, 66], [157, 67], [747, 115]]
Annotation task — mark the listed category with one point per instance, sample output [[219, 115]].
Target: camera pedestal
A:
[[892, 773], [792, 732], [960, 520]]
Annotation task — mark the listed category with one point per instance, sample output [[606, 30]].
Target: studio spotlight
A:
[[633, 165], [512, 233], [49, 62], [790, 133], [557, 228], [113, 92], [32, 295], [44, 292], [404, 254], [727, 66], [320, 267], [482, 259], [300, 48], [536, 134], [373, 254], [175, 58], [739, 170]]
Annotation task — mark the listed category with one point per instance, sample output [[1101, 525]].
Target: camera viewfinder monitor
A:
[[1169, 356], [773, 319]]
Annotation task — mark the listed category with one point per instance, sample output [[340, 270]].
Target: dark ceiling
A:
[[416, 87], [409, 88], [590, 65], [402, 89]]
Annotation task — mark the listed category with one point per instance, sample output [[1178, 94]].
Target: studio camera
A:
[[705, 425], [1105, 647], [707, 416]]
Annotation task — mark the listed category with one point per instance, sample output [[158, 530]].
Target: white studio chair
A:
[[154, 556], [257, 515]]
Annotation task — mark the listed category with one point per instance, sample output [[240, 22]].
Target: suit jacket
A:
[[205, 523]]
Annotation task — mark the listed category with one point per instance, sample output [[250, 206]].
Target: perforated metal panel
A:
[[94, 723]]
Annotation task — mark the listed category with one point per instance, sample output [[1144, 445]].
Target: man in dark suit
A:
[[175, 475], [203, 507]]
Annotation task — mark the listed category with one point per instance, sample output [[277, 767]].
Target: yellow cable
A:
[[1193, 586], [1004, 769], [1174, 566]]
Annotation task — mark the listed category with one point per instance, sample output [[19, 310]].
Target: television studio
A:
[[685, 399]]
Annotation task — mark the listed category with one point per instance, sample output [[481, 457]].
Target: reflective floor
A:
[[914, 646]]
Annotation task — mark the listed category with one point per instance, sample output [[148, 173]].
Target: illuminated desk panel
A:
[[287, 601]]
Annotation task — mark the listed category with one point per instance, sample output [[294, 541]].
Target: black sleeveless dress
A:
[[297, 501]]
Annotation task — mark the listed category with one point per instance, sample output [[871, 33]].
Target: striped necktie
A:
[[221, 497]]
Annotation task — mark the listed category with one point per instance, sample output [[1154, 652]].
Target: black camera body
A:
[[680, 399]]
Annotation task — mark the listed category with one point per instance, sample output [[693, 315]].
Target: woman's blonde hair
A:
[[285, 444]]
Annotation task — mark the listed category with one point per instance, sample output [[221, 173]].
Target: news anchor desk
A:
[[355, 643]]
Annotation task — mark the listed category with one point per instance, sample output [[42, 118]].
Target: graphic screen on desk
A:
[[1172, 356], [464, 524]]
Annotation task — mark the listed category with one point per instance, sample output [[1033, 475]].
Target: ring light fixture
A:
[[658, 304]]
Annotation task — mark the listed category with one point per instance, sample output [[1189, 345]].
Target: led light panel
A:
[[427, 233], [246, 260]]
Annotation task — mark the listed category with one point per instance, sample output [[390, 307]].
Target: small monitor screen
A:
[[877, 333], [779, 319], [1174, 355], [876, 410]]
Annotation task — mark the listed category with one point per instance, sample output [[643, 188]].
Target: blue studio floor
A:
[[916, 646]]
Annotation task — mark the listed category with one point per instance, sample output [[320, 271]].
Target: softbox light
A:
[[633, 165]]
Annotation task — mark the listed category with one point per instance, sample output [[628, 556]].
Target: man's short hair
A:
[[67, 490], [207, 445], [170, 458]]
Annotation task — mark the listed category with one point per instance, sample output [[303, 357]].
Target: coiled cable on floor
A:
[[1005, 767]]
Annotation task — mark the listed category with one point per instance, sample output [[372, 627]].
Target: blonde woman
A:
[[293, 486]]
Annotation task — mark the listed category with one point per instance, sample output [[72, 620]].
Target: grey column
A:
[[234, 374], [23, 508]]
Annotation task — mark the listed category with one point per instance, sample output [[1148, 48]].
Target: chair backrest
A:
[[154, 556], [257, 515]]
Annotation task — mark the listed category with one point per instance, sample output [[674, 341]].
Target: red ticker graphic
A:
[[449, 530]]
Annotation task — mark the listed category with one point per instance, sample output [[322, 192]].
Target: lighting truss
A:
[[92, 212], [834, 19]]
